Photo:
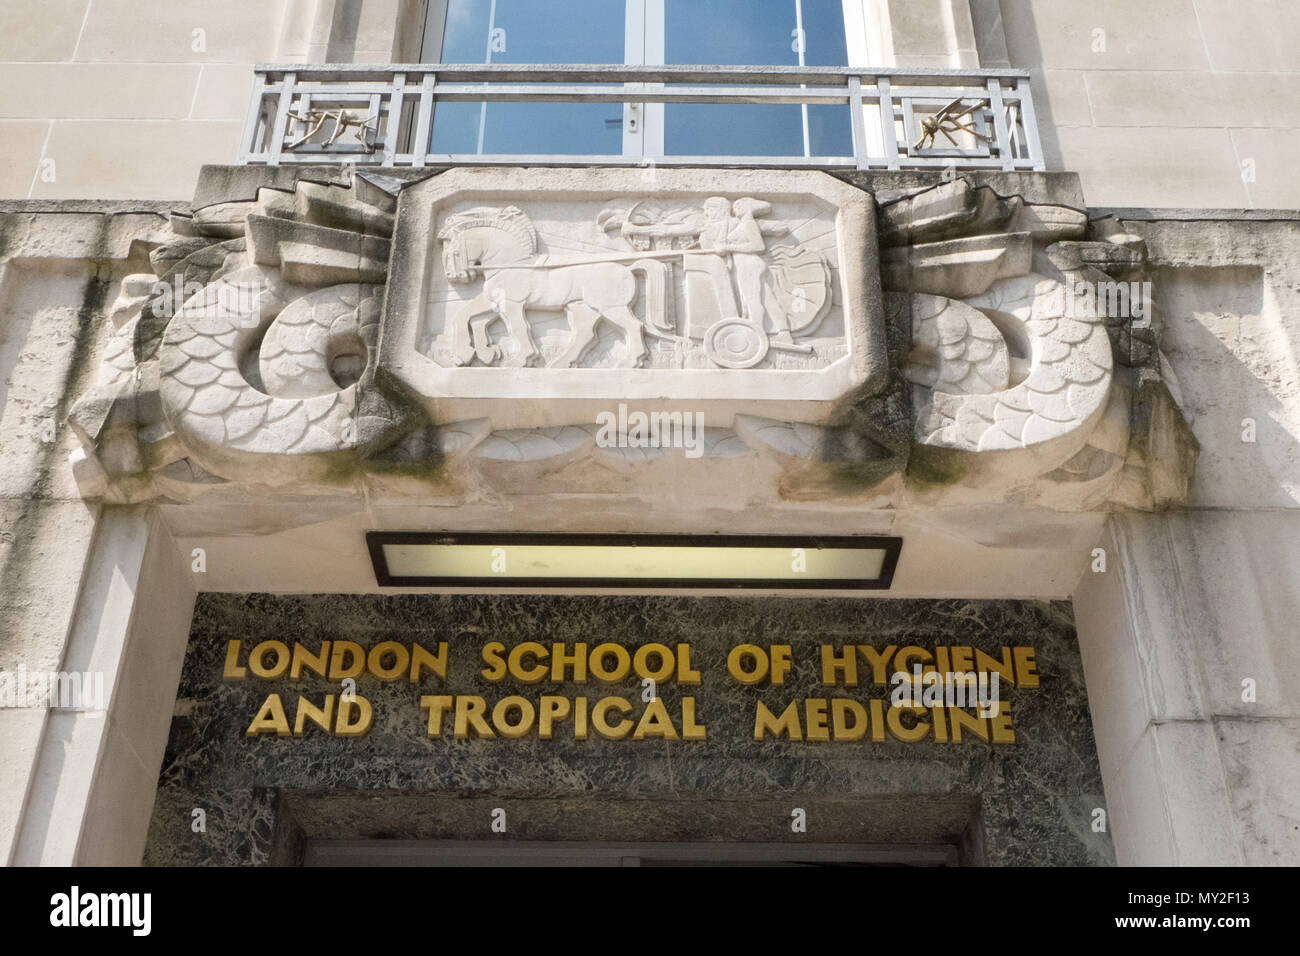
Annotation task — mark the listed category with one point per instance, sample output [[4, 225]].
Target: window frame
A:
[[866, 33]]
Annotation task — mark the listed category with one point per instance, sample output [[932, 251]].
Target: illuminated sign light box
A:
[[433, 559]]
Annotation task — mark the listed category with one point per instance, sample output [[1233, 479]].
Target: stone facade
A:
[[213, 392], [256, 511]]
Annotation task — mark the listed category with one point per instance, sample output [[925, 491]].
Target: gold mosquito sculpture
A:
[[953, 118], [344, 119]]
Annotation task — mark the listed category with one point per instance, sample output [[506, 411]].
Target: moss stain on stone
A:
[[932, 468]]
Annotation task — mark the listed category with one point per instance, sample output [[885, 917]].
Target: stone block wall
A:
[[1165, 103], [109, 99]]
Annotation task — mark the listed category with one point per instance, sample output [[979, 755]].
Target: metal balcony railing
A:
[[385, 115]]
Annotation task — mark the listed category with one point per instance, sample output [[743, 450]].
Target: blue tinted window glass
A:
[[830, 130], [572, 129], [748, 33], [723, 32], [465, 39], [701, 129], [823, 28], [532, 31], [753, 32]]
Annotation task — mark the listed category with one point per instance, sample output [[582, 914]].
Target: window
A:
[[650, 32]]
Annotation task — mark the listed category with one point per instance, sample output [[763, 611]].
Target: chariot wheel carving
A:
[[735, 343]]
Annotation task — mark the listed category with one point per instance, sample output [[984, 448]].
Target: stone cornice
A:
[[252, 360]]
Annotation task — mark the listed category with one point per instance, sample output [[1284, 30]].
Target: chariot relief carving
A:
[[719, 285], [727, 292]]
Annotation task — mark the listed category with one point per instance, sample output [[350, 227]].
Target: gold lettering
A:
[[814, 713], [877, 720], [984, 662], [270, 717], [902, 660], [961, 720], [878, 660], [580, 719], [316, 663], [436, 705], [622, 664], [375, 660], [834, 664], [339, 670], [554, 709], [841, 707], [469, 713], [345, 725], [780, 662], [420, 659], [257, 659], [320, 716], [787, 723], [233, 670], [684, 673], [747, 676], [496, 665], [526, 716], [940, 725], [655, 722], [641, 663], [690, 729], [895, 722], [529, 675], [577, 660], [617, 731], [1001, 724], [1026, 673]]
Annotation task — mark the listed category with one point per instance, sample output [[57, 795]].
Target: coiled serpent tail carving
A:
[[300, 398], [978, 396]]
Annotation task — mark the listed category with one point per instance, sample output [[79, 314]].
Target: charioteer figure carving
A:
[[742, 298]]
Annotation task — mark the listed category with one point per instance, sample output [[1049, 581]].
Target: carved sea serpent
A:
[[1051, 411], [233, 414]]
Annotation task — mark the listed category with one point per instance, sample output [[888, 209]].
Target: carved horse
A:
[[500, 247]]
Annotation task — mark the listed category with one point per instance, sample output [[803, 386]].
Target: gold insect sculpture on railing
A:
[[953, 118], [344, 119]]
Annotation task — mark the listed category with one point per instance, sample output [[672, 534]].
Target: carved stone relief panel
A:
[[546, 295]]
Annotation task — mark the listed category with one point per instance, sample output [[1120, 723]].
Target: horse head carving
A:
[[484, 237]]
